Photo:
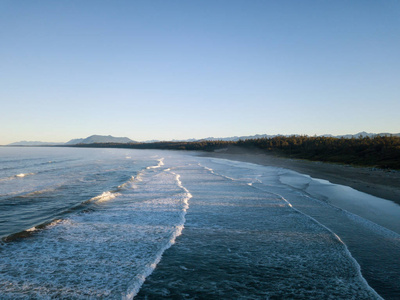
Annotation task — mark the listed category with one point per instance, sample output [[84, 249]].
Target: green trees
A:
[[379, 151]]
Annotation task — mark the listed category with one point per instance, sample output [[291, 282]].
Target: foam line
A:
[[160, 164], [17, 176], [140, 278], [38, 192], [106, 196], [252, 180], [212, 172], [149, 268], [103, 197], [21, 175], [358, 268]]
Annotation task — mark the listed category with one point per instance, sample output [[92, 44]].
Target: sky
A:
[[194, 69]]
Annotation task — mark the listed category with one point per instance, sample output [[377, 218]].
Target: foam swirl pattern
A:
[[243, 243], [105, 252], [124, 224]]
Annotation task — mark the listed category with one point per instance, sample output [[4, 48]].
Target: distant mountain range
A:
[[100, 139], [124, 140], [89, 140], [362, 134], [259, 136], [28, 143], [237, 138]]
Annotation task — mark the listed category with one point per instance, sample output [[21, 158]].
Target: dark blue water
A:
[[113, 223], [46, 183]]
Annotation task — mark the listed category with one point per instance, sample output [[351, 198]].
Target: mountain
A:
[[74, 142], [32, 143], [94, 139], [364, 134], [150, 141], [124, 140], [267, 136], [188, 140], [237, 138]]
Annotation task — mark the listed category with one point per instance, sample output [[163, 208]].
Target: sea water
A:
[[120, 224]]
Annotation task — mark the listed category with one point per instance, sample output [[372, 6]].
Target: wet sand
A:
[[380, 183]]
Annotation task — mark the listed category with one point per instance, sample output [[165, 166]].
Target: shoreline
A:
[[377, 182]]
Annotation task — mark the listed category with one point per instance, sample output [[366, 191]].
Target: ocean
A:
[[80, 223]]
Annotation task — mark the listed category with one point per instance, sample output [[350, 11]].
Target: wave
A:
[[125, 184], [23, 175], [20, 160], [29, 232], [160, 164], [356, 264], [38, 192], [140, 278], [213, 172], [146, 218], [336, 237], [17, 176], [138, 281], [80, 207], [34, 165], [106, 196], [42, 226], [84, 206]]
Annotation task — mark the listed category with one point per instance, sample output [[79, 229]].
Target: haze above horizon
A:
[[182, 69]]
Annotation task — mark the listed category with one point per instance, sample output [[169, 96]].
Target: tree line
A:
[[378, 151]]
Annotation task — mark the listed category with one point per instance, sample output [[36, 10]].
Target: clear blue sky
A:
[[184, 69]]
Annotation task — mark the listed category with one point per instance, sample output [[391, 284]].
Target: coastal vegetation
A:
[[379, 151]]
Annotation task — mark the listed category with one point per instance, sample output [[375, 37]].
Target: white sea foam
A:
[[21, 175], [357, 266], [106, 196], [17, 176], [302, 186], [213, 172], [124, 185], [54, 223], [110, 250], [120, 244], [280, 237], [149, 268], [140, 278], [160, 164]]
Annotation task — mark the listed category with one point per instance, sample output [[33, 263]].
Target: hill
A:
[[96, 139]]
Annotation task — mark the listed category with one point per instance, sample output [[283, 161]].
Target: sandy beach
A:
[[380, 183]]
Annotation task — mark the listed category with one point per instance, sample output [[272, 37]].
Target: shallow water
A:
[[120, 223]]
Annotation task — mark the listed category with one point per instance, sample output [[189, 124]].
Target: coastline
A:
[[377, 182]]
